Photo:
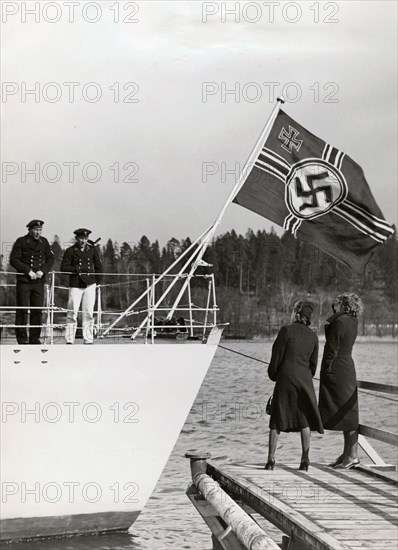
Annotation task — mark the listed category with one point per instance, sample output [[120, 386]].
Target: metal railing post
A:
[[149, 298], [153, 288], [214, 300], [207, 309], [48, 313], [52, 307], [190, 307], [99, 309]]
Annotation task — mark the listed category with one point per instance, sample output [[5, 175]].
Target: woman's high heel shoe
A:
[[304, 465], [338, 461], [348, 463], [270, 464]]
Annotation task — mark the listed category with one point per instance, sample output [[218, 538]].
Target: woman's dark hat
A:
[[306, 309]]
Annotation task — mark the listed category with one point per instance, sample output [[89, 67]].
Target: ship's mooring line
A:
[[244, 355], [266, 363]]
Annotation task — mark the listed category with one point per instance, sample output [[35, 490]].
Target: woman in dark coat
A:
[[293, 364], [338, 395]]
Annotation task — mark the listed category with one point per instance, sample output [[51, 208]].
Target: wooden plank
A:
[[353, 506], [278, 512], [387, 517], [386, 477], [333, 515], [376, 535], [323, 474], [371, 486], [373, 482], [379, 435], [360, 473], [318, 496], [382, 545], [353, 524], [347, 505], [341, 500], [376, 386], [369, 450]]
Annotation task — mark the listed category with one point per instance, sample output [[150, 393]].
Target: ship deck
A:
[[125, 338]]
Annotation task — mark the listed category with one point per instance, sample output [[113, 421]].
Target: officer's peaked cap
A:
[[35, 223], [82, 232]]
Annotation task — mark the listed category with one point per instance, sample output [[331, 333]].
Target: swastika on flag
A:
[[313, 188]]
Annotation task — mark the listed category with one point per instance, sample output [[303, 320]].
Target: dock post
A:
[[198, 460]]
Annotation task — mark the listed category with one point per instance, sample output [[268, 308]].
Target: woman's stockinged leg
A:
[[346, 445], [272, 443], [351, 444], [305, 443], [351, 448]]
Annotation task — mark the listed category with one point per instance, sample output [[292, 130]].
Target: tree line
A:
[[258, 277]]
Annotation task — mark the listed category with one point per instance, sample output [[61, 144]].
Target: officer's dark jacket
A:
[[85, 265], [29, 254]]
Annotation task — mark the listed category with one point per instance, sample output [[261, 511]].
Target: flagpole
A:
[[252, 158], [242, 178]]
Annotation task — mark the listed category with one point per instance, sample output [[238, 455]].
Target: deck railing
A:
[[148, 316]]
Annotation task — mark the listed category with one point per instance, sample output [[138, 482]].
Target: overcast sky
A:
[[340, 74]]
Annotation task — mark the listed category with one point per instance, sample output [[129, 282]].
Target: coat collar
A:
[[79, 250], [335, 316], [32, 242]]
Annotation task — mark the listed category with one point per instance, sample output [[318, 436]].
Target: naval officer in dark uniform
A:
[[33, 258], [84, 264]]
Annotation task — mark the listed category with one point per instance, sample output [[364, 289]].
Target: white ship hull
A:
[[87, 430]]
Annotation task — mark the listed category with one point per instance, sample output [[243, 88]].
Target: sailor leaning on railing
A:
[[83, 261], [33, 258]]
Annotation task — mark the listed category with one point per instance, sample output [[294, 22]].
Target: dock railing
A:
[[376, 433]]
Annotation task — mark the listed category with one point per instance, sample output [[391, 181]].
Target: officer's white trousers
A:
[[87, 297]]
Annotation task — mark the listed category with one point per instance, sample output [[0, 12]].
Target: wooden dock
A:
[[323, 508]]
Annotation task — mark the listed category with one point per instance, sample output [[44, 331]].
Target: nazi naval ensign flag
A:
[[316, 192]]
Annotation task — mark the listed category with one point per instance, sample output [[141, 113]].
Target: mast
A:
[[206, 240]]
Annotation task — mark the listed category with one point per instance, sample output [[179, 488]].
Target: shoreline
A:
[[360, 339]]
